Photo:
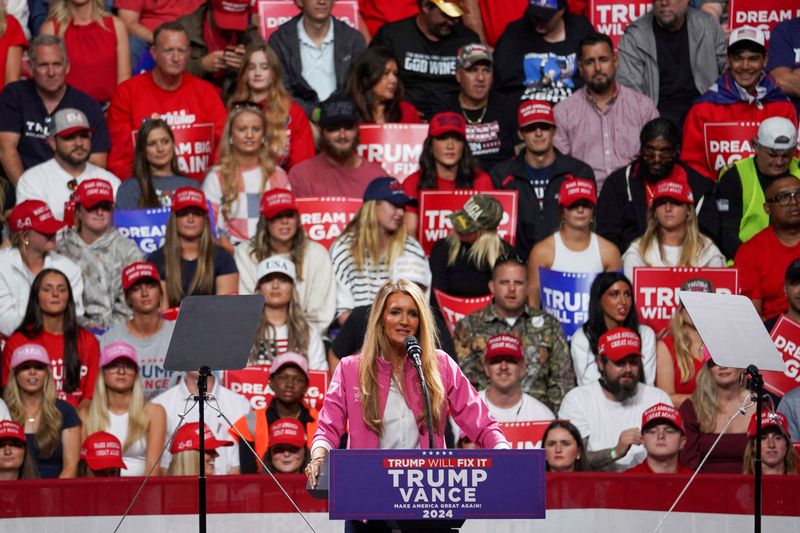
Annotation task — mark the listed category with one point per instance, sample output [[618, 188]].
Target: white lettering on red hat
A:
[[24, 223]]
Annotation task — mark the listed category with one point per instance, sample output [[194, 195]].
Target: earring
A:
[[26, 242]]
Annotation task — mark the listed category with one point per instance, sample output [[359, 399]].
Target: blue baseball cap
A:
[[389, 189], [545, 9]]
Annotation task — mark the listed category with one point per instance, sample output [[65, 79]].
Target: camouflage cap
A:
[[479, 212]]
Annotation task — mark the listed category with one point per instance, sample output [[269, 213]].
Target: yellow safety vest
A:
[[754, 218]]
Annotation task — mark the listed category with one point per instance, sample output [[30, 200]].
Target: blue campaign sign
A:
[[565, 295], [148, 227], [436, 484]]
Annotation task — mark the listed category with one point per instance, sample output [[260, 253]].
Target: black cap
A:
[[336, 111]]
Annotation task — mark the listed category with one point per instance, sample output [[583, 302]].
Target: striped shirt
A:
[[359, 287]]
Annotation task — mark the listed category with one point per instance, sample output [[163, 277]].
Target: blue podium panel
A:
[[436, 484]]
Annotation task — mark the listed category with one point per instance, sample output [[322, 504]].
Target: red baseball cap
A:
[[136, 271], [447, 122], [231, 14], [35, 215], [287, 431], [277, 201], [186, 197], [118, 350], [575, 189], [535, 112], [619, 343], [664, 413], [767, 420], [102, 450], [188, 438], [675, 189], [503, 345], [11, 430], [94, 191]]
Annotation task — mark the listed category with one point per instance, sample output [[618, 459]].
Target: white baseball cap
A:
[[777, 133], [278, 264]]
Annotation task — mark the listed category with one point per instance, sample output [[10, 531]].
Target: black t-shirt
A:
[[22, 112], [491, 130], [528, 67], [51, 467], [676, 88], [427, 68], [539, 178], [223, 264]]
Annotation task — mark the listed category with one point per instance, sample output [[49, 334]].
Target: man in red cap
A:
[[663, 437], [608, 412]]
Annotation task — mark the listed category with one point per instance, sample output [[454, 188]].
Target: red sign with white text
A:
[[656, 290], [194, 145], [524, 435], [728, 142], [273, 13], [395, 147], [761, 14], [324, 219], [786, 336], [435, 206], [454, 308], [612, 17], [253, 383]]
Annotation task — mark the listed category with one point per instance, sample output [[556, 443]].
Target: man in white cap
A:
[[740, 189]]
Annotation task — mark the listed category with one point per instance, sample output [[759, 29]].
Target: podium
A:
[[415, 490]]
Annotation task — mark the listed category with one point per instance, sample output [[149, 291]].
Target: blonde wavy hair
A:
[[692, 247], [790, 460], [262, 248], [229, 165], [276, 104], [99, 420], [683, 355], [704, 399], [298, 333], [376, 345], [483, 253], [61, 14], [48, 434], [185, 463], [203, 280], [366, 238]]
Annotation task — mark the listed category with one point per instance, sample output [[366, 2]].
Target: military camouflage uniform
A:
[[548, 372]]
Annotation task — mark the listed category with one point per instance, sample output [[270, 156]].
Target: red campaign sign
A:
[[728, 142], [524, 435], [253, 383], [395, 147], [324, 219], [435, 206], [761, 14], [656, 290], [273, 13], [786, 336], [454, 308], [612, 17], [194, 146]]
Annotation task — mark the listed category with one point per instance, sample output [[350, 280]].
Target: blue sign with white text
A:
[[565, 295]]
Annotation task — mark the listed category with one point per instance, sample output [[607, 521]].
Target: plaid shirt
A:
[[548, 371]]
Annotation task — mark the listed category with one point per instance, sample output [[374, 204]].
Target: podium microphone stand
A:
[[755, 384]]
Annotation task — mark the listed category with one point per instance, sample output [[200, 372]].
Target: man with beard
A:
[[55, 180], [608, 412], [425, 46], [628, 191], [337, 170], [599, 123]]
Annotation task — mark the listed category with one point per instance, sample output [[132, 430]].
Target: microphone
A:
[[414, 352]]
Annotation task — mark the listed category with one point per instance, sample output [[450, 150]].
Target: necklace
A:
[[472, 122]]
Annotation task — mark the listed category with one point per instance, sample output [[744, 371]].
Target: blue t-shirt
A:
[[22, 112], [784, 49], [539, 178], [223, 264], [51, 467]]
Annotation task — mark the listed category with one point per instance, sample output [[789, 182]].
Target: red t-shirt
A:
[[482, 183], [298, 136], [88, 355], [376, 13], [153, 13], [496, 16], [13, 36], [408, 113], [194, 111], [644, 468], [762, 262], [92, 50]]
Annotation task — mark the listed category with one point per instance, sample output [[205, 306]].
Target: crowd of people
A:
[[184, 106]]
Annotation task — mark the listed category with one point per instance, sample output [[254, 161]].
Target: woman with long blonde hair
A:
[[12, 42], [375, 395], [97, 43], [672, 237], [363, 254], [119, 408], [190, 263], [52, 426], [260, 81], [245, 171]]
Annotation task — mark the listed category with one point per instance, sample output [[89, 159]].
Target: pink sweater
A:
[[343, 405]]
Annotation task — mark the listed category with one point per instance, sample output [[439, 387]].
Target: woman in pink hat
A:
[[185, 451], [119, 408], [778, 455], [52, 427], [15, 459]]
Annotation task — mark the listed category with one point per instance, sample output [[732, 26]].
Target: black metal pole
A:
[[756, 385], [426, 394], [202, 385]]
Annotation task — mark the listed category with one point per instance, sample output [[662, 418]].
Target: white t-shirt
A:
[[710, 256], [585, 364], [317, 358], [602, 420], [528, 409], [234, 405], [5, 414]]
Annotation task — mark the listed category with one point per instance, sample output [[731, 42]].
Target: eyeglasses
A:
[[785, 198], [283, 379]]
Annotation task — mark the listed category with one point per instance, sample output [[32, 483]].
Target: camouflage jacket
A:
[[548, 373]]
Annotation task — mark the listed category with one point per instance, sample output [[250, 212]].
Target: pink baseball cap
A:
[[186, 197], [503, 345], [287, 431], [35, 215], [575, 189], [30, 352], [118, 350], [677, 190], [11, 430], [188, 438], [94, 191], [136, 271], [619, 343], [662, 412], [289, 358], [277, 201], [535, 112], [767, 421], [102, 450]]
